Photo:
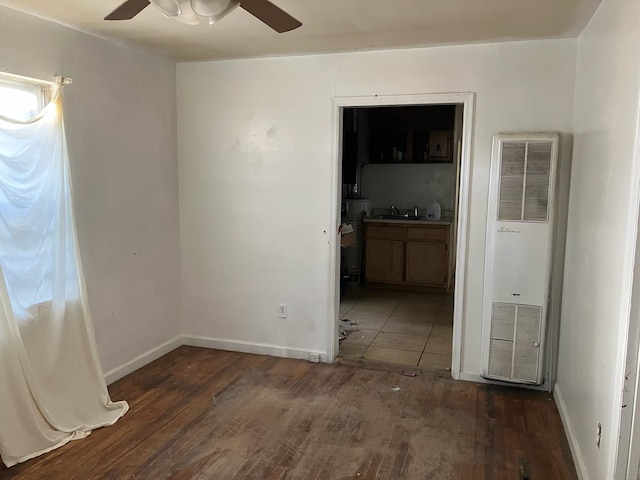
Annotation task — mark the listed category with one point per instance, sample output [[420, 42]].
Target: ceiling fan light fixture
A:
[[214, 10], [188, 16], [171, 8]]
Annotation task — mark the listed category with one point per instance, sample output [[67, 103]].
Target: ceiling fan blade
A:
[[128, 10], [270, 14]]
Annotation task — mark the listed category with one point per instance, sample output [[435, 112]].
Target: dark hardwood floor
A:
[[206, 414]]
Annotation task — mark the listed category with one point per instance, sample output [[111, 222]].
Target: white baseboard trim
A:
[[143, 359], [252, 347], [571, 435], [477, 378], [471, 377], [140, 361]]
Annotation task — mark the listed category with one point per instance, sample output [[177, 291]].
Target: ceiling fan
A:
[[192, 11]]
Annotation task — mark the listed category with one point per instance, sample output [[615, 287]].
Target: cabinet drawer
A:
[[438, 233], [388, 233]]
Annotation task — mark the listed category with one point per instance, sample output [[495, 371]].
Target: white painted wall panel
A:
[[599, 254], [120, 116], [255, 148]]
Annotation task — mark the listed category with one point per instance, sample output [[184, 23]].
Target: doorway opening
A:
[[402, 172]]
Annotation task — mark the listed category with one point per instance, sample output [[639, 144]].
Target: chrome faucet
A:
[[394, 208]]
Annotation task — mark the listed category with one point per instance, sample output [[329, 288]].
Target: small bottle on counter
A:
[[434, 211]]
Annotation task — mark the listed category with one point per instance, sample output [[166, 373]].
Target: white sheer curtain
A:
[[52, 389]]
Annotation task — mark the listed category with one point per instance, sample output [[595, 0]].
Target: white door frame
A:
[[627, 461], [628, 448], [339, 103]]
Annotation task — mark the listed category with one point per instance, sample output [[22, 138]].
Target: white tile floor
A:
[[402, 328]]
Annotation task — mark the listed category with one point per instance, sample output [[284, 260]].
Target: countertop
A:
[[421, 221]]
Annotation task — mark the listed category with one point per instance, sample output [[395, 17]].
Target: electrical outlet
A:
[[282, 310], [598, 434], [314, 357]]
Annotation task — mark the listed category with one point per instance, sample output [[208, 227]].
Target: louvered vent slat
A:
[[503, 320], [525, 364], [517, 359], [528, 319], [511, 181], [500, 358], [536, 197]]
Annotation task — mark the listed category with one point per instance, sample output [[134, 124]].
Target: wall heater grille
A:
[[518, 255]]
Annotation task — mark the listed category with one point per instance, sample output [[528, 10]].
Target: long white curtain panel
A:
[[52, 388]]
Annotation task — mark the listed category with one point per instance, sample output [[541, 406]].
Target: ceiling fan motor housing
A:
[[215, 9], [193, 11], [170, 8]]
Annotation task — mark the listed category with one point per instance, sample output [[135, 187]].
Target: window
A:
[[27, 201], [21, 101]]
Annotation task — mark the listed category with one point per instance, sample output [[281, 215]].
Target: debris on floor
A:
[[346, 327], [409, 373], [395, 389]]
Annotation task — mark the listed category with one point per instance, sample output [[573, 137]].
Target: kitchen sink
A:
[[395, 217]]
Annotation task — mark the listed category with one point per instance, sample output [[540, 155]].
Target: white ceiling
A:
[[328, 25]]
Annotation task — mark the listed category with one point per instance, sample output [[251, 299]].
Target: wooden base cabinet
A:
[[407, 255], [385, 260], [427, 263]]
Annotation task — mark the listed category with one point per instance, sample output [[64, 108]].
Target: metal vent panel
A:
[[536, 196], [500, 358], [503, 321], [528, 318], [515, 341], [525, 363], [511, 181]]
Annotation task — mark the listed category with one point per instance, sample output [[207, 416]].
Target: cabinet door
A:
[[427, 263], [384, 260]]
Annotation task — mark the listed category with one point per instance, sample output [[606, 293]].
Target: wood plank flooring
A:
[[207, 414]]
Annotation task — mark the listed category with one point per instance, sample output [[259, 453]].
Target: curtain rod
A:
[[58, 79]]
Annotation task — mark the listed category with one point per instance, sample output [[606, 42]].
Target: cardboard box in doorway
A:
[[347, 235]]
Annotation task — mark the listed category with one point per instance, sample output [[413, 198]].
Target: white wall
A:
[[256, 174], [120, 117], [602, 217]]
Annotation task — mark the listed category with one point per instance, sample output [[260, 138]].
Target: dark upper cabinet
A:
[[349, 145], [411, 134]]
